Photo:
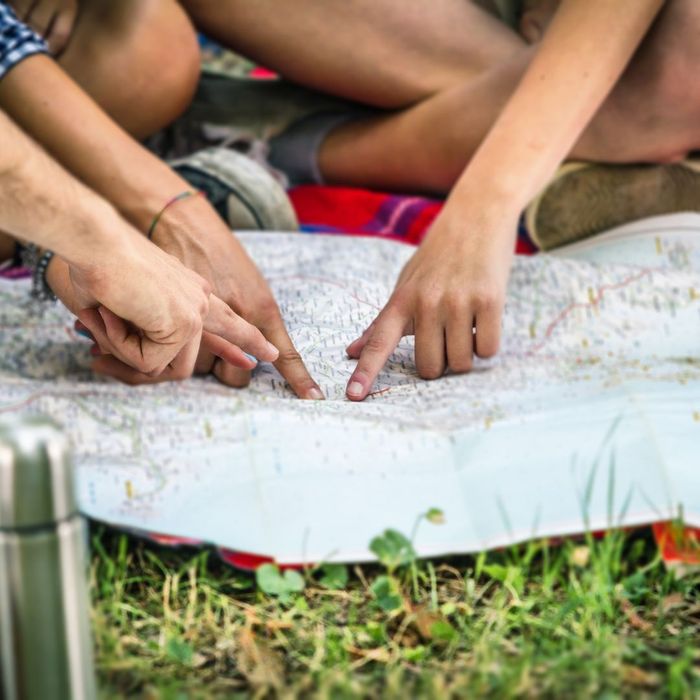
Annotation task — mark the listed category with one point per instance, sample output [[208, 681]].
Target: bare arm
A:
[[581, 57], [116, 271], [452, 292], [42, 204], [42, 98], [55, 111]]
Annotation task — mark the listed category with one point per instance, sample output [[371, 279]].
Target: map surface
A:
[[589, 417]]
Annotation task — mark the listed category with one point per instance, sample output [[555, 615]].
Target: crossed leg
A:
[[446, 73], [384, 53], [441, 75]]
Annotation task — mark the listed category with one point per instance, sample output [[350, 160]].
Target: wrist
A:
[[473, 218], [101, 237], [186, 219], [488, 197], [143, 205]]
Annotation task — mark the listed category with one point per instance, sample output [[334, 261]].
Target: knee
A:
[[139, 59], [657, 98]]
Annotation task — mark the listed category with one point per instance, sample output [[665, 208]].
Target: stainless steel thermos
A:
[[45, 644]]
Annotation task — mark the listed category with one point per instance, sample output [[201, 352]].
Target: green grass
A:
[[597, 618]]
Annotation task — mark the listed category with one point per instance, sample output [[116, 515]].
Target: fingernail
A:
[[84, 333], [273, 350], [251, 358], [315, 394], [355, 389]]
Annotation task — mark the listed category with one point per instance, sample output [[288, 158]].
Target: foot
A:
[[585, 199], [243, 192]]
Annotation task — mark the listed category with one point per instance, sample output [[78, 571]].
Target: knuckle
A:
[[268, 308], [486, 299], [428, 304], [454, 303], [193, 324], [154, 371], [289, 356], [202, 307], [204, 284], [399, 302], [181, 374], [376, 343], [147, 367], [234, 378]]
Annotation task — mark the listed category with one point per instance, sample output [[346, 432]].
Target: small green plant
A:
[[280, 584], [333, 576], [395, 551], [387, 591]]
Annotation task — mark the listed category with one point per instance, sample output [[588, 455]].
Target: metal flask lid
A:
[[36, 475]]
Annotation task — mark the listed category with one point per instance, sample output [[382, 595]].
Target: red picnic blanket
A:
[[346, 210]]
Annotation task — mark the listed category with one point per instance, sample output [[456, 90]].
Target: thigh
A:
[[385, 53]]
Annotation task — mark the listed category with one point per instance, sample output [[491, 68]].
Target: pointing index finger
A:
[[381, 342], [289, 364], [222, 321]]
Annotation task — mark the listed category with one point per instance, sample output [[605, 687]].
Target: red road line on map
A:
[[331, 282], [379, 391], [14, 407], [578, 305], [34, 397]]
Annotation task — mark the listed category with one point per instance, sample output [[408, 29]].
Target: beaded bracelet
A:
[[39, 263], [168, 204]]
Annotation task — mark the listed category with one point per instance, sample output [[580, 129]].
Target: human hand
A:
[[148, 314], [196, 236], [52, 19], [450, 295]]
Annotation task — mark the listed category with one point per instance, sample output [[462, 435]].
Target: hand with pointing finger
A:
[[151, 314], [200, 239], [450, 295]]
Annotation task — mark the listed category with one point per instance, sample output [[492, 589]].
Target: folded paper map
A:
[[588, 418]]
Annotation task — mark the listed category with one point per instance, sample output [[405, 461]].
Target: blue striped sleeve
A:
[[17, 40]]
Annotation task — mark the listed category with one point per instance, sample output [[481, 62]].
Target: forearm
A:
[[41, 203], [581, 57], [58, 114]]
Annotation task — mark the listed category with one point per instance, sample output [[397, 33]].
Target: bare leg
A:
[[653, 115], [425, 147], [139, 59], [447, 73], [384, 53], [121, 53]]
